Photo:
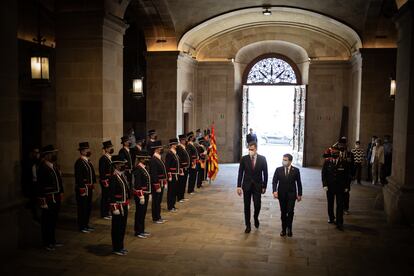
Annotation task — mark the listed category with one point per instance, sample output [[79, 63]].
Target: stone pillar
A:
[[10, 198], [354, 99], [89, 95], [162, 93], [399, 193]]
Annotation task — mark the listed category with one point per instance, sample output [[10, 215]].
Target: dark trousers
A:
[[287, 209], [119, 223], [192, 175], [104, 201], [200, 175], [172, 192], [140, 213], [357, 172], [346, 201], [182, 183], [48, 222], [84, 204], [156, 204], [331, 195], [369, 171], [257, 202]]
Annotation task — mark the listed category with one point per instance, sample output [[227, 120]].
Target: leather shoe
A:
[[256, 223], [340, 227], [283, 233], [248, 229], [289, 233], [331, 221]]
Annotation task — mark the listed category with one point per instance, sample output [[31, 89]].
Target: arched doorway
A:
[[274, 104]]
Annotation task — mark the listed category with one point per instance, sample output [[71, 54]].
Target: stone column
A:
[[89, 95], [162, 93], [10, 197], [399, 193]]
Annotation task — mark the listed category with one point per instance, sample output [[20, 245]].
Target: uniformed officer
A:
[[85, 179], [50, 193], [105, 171], [158, 174], [125, 153], [336, 175], [201, 164], [141, 191], [172, 164], [119, 195], [152, 137], [192, 170], [345, 154], [184, 165]]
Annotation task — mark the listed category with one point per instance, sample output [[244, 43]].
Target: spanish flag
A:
[[212, 156]]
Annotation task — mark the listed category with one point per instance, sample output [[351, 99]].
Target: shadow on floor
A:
[[99, 249], [361, 229]]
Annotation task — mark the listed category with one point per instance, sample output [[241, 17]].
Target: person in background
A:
[[368, 155], [29, 180], [105, 172], [336, 177], [85, 179], [251, 137], [132, 138], [377, 161], [358, 159], [387, 158], [198, 135], [50, 194], [158, 174]]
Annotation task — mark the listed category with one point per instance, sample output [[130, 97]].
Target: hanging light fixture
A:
[[267, 12], [393, 88], [39, 59], [138, 87]]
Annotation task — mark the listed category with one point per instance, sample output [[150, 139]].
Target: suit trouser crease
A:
[[287, 206]]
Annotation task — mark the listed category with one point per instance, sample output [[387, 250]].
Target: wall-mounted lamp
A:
[[267, 12], [137, 87], [393, 88]]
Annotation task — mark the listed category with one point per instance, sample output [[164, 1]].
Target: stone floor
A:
[[206, 237]]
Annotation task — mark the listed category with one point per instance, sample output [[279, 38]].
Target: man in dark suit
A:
[[252, 182], [287, 187], [251, 137]]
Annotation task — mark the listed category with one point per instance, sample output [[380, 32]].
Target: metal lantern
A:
[[137, 87], [393, 88], [40, 68]]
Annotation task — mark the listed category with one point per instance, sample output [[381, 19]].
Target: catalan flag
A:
[[212, 156]]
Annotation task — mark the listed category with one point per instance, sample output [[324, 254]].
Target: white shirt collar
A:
[[108, 155], [126, 148], [49, 164], [85, 158], [173, 150]]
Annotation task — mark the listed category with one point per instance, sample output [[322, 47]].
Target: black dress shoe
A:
[[331, 221], [283, 233], [340, 227], [248, 229], [256, 223], [289, 233]]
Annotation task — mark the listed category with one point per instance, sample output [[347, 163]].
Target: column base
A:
[[398, 203]]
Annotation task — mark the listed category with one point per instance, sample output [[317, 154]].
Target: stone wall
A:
[[327, 93], [377, 109], [162, 93], [217, 101]]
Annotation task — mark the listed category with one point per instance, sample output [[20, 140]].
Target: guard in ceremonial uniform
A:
[[158, 174], [141, 191], [105, 171], [192, 170], [184, 165], [85, 179], [125, 153], [172, 164], [201, 164], [50, 193], [152, 137], [345, 154], [336, 175], [119, 195]]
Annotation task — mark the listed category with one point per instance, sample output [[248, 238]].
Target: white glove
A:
[[346, 190], [142, 200], [165, 187], [158, 190], [44, 206], [325, 188], [116, 212]]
